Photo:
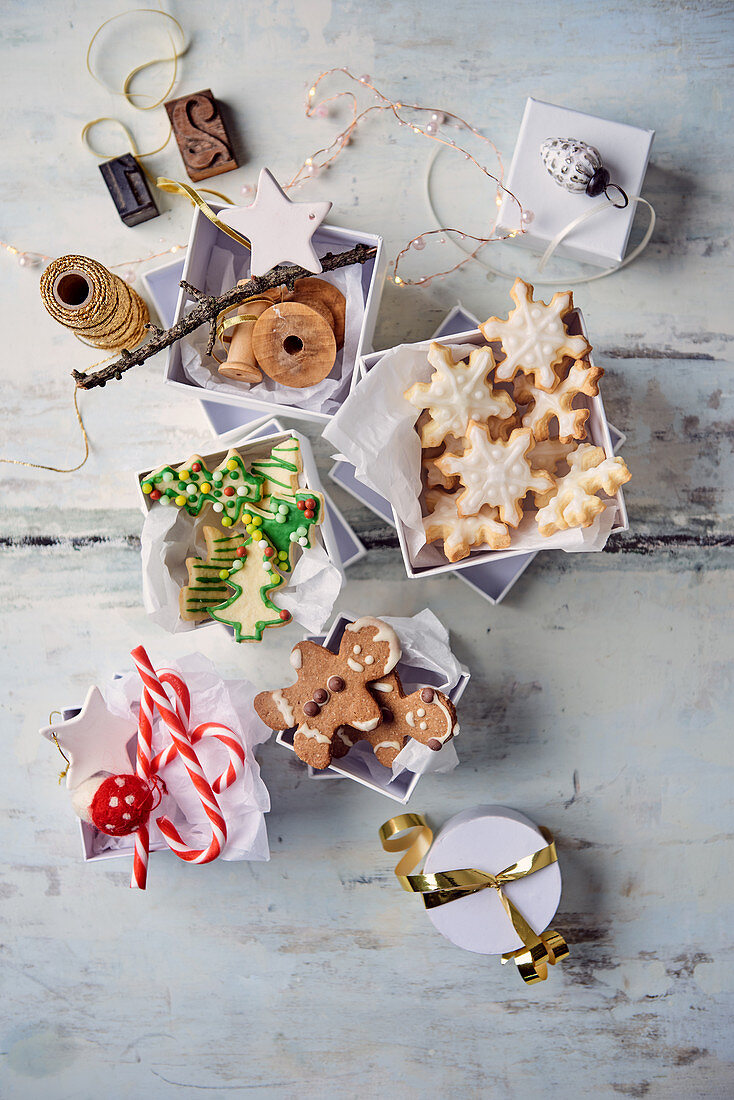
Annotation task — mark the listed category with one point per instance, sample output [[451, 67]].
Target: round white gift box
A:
[[491, 838]]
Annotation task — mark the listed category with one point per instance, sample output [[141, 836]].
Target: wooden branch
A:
[[209, 308]]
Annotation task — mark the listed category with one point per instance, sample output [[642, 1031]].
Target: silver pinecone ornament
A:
[[575, 165]]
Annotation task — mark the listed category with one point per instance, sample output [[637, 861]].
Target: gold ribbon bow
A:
[[538, 952]]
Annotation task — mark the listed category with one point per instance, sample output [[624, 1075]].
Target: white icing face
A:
[[458, 393], [388, 745], [366, 727], [534, 337], [354, 665], [383, 633], [495, 473]]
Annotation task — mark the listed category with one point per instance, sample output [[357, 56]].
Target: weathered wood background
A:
[[602, 693]]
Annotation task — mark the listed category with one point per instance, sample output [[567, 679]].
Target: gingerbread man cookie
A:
[[331, 689], [426, 715]]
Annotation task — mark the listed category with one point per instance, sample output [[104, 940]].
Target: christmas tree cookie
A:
[[233, 585], [228, 489]]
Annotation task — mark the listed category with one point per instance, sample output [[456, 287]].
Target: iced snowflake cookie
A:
[[534, 337], [426, 715], [331, 689], [233, 585], [558, 405], [576, 504], [498, 474], [460, 534], [457, 393], [434, 477]]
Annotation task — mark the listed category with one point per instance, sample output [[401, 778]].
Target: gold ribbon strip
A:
[[174, 187], [532, 960]]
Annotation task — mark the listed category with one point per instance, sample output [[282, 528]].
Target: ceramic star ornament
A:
[[279, 230], [95, 741]]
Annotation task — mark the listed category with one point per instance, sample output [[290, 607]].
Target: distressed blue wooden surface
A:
[[602, 689]]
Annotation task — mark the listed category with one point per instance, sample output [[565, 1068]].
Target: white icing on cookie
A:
[[457, 393], [387, 745], [495, 473], [366, 727], [314, 735], [410, 719], [380, 685], [296, 659], [286, 710], [581, 379], [575, 504], [461, 534], [354, 665], [343, 736], [383, 633], [534, 337]]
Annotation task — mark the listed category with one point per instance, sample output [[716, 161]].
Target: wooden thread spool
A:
[[241, 362], [319, 294], [294, 344]]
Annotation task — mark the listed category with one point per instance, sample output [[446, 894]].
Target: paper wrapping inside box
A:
[[375, 431], [326, 396], [244, 803], [170, 536]]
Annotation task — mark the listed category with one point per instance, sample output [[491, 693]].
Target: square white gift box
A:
[[166, 541], [214, 263], [625, 152], [427, 661], [377, 462]]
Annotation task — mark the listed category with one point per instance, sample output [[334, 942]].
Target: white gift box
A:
[[625, 152], [204, 239], [490, 572], [164, 568], [450, 676], [491, 838], [245, 811]]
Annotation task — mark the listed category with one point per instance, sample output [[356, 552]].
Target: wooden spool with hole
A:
[[294, 344]]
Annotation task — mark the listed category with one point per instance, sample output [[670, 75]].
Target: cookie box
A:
[[598, 433], [325, 534], [355, 764], [625, 152], [491, 579], [366, 288]]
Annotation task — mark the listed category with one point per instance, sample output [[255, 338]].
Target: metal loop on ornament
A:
[[617, 205]]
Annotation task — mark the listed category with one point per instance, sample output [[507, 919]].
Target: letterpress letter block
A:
[[205, 145], [129, 189]]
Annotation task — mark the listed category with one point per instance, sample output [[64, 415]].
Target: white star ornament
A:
[[279, 230], [95, 741]]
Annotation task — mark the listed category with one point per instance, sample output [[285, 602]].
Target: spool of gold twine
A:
[[98, 306]]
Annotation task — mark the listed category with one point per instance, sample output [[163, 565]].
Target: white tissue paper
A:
[[327, 395], [375, 431], [244, 804]]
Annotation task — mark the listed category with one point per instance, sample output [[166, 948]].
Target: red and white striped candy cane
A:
[[143, 768], [177, 729], [223, 734]]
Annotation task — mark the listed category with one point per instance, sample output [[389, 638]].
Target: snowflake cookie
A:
[[558, 405], [498, 474], [461, 534], [576, 504], [457, 393], [534, 337]]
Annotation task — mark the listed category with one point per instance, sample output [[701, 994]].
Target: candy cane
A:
[[143, 768], [221, 733], [177, 729]]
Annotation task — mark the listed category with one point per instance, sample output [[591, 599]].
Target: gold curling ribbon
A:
[[174, 187], [532, 960]]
